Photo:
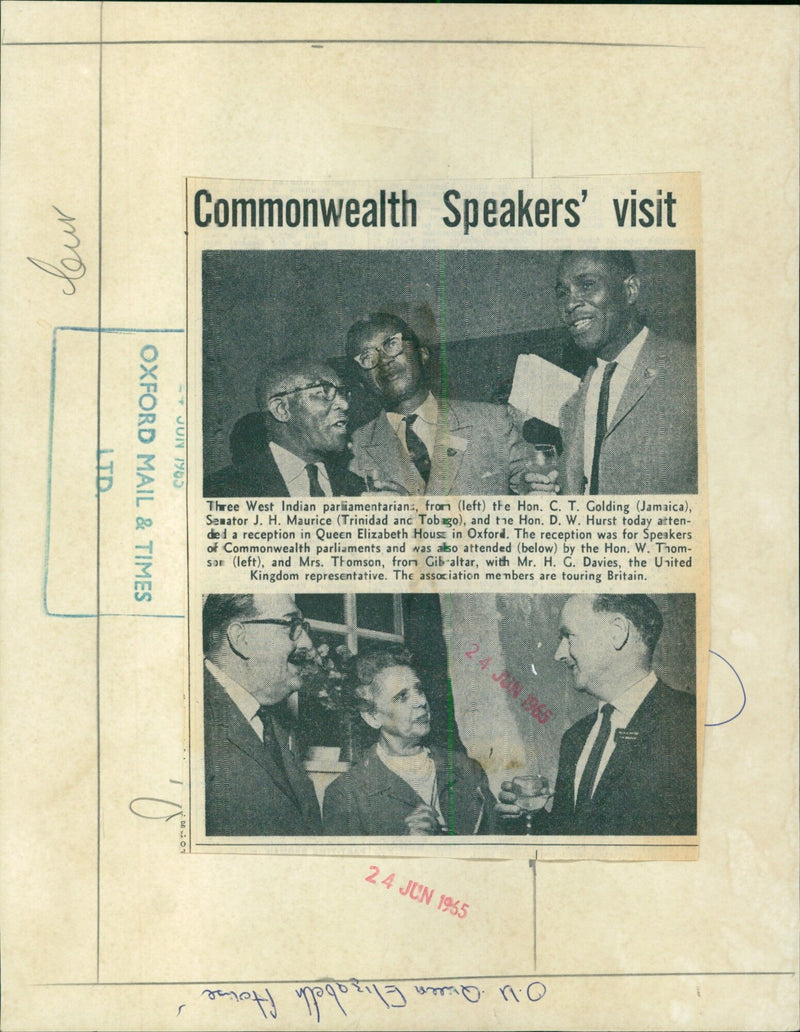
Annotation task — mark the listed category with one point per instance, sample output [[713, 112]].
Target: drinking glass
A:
[[532, 792], [544, 458]]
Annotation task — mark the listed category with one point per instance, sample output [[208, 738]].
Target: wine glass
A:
[[544, 458], [532, 793]]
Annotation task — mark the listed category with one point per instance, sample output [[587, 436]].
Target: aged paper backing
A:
[[107, 108]]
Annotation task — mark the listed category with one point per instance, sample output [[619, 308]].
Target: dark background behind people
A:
[[489, 307], [422, 635], [518, 633], [462, 643]]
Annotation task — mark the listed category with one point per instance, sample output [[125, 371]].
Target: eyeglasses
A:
[[391, 347], [329, 390], [296, 625]]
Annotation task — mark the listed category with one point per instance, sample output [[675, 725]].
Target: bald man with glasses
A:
[[297, 445], [257, 650]]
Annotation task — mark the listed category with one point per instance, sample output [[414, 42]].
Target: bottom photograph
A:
[[394, 715]]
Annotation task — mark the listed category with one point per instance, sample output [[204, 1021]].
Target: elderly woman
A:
[[403, 787]]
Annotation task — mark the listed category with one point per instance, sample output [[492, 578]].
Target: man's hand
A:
[[422, 821], [375, 486], [507, 802], [528, 482]]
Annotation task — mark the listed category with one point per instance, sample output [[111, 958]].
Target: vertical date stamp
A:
[[514, 688]]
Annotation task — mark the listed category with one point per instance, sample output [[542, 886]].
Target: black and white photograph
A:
[[392, 461], [433, 372], [356, 715]]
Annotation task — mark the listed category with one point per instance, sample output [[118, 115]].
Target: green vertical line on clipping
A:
[[452, 776], [442, 321]]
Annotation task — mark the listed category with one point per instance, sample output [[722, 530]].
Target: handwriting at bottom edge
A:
[[388, 993]]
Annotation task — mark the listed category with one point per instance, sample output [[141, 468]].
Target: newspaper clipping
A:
[[446, 518]]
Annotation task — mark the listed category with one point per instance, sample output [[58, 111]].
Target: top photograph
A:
[[344, 373]]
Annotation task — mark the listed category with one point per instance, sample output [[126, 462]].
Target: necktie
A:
[[264, 714], [602, 425], [313, 481], [293, 776], [584, 796], [416, 449]]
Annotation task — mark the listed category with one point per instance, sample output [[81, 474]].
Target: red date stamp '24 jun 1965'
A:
[[420, 893], [531, 704]]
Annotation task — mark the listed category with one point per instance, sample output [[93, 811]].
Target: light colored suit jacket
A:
[[478, 450], [651, 443]]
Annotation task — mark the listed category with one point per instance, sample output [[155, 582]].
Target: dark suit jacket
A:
[[370, 799], [247, 793], [649, 786], [478, 450], [651, 444], [254, 473]]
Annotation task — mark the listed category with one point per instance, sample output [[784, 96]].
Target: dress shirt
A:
[[247, 705], [293, 470], [625, 705], [418, 771], [240, 697], [625, 360], [424, 427]]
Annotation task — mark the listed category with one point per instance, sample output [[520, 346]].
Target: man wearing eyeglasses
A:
[[423, 444], [257, 653], [296, 446]]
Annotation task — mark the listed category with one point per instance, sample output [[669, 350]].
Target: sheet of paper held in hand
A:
[[396, 496]]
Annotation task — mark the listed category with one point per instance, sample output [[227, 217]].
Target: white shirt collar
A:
[[627, 357], [247, 704], [293, 470], [428, 412]]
